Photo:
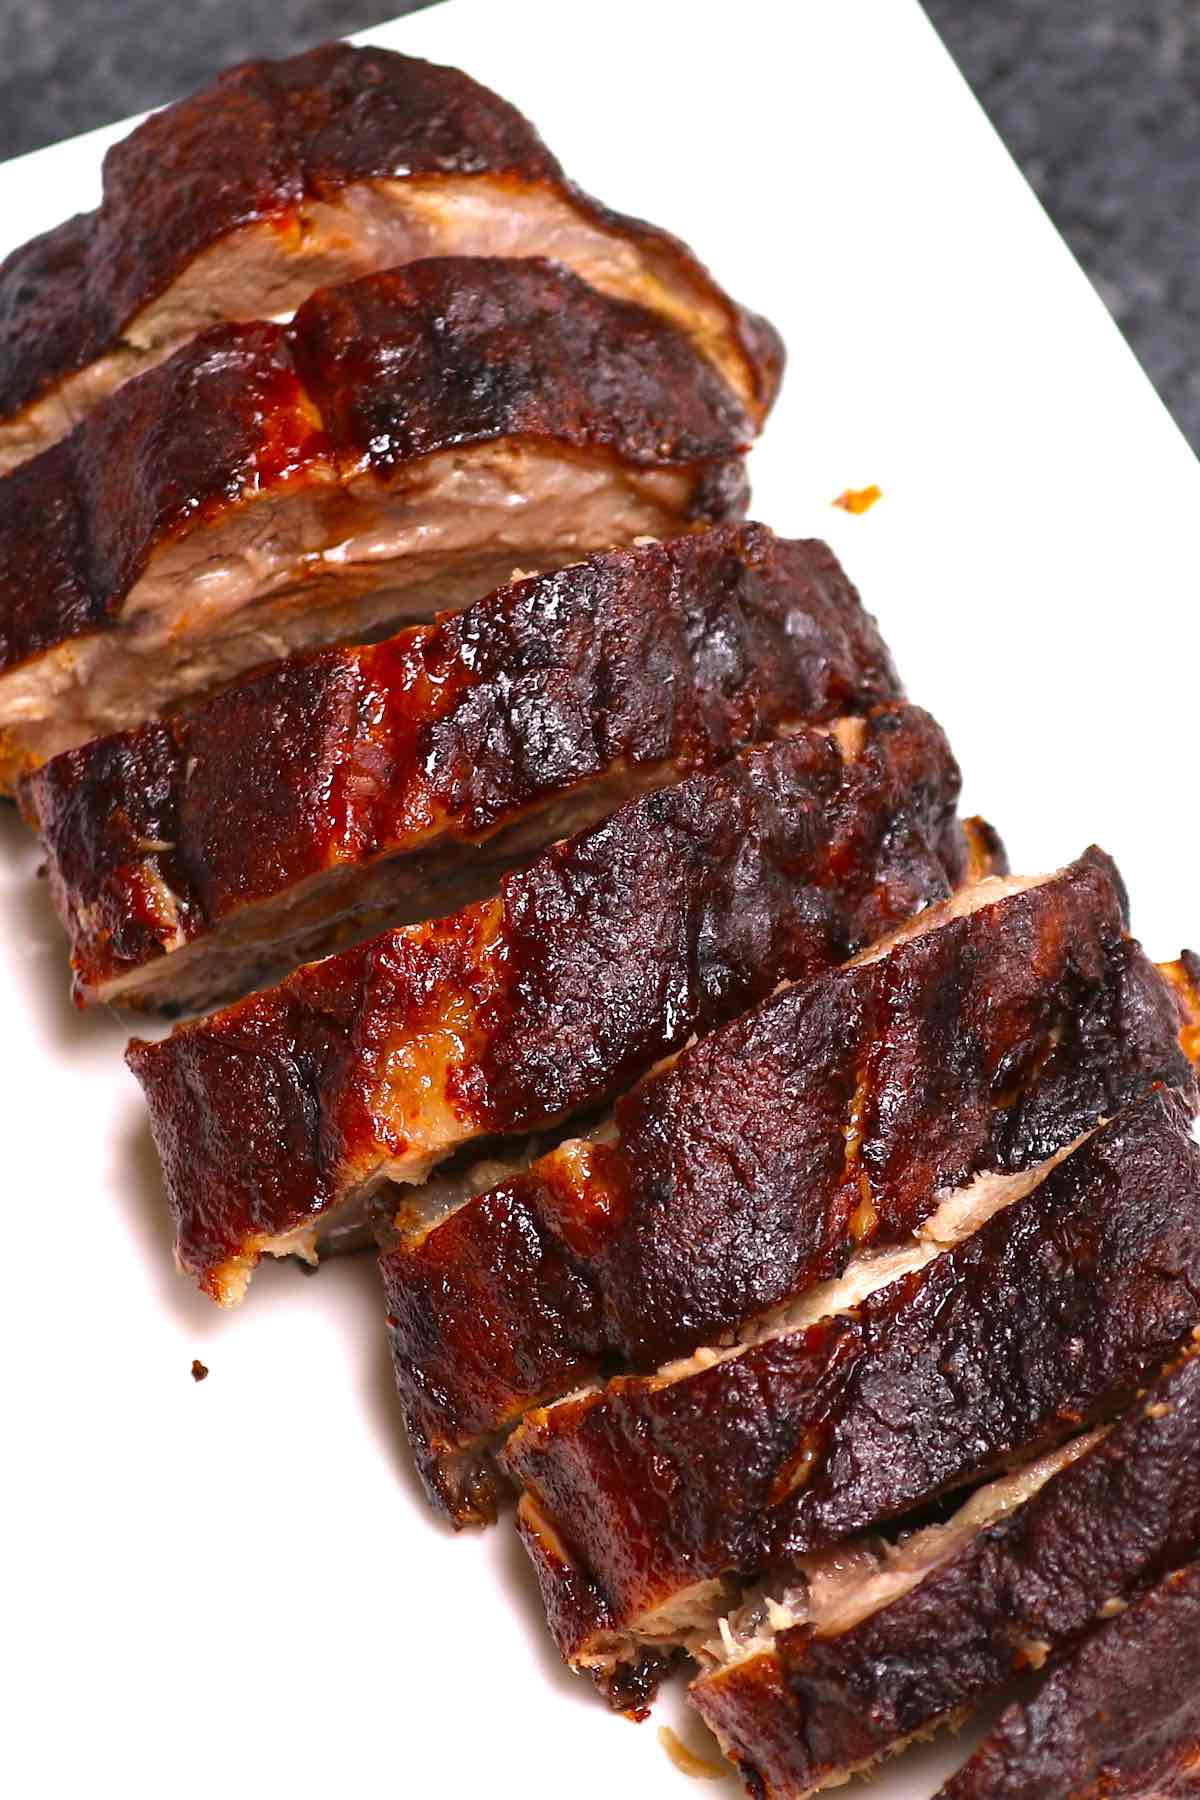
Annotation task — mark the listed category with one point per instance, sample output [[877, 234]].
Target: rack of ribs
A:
[[845, 1131], [874, 1643], [279, 1119], [283, 177], [329, 795], [401, 446], [647, 1503]]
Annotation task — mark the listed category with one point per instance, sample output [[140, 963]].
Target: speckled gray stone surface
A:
[[66, 65], [1099, 101]]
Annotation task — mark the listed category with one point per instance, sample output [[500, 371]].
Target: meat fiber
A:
[[320, 797], [282, 177], [400, 447], [1118, 1720], [278, 1119], [646, 1499], [876, 1109], [838, 1673]]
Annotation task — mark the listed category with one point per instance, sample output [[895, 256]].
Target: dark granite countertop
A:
[[1099, 100]]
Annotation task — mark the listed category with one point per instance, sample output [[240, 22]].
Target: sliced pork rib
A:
[[405, 442], [644, 1499], [192, 856], [279, 1117], [284, 177], [876, 1644], [1119, 1719], [816, 1132]]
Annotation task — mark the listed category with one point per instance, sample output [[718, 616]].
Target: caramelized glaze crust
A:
[[830, 1120], [368, 379], [457, 350], [1119, 1719], [270, 144], [624, 671], [606, 953], [1050, 1314], [1028, 1587]]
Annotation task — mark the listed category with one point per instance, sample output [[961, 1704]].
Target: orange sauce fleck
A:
[[859, 500], [864, 1220], [796, 1471], [852, 1130], [685, 1760]]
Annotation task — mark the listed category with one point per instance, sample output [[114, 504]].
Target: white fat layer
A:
[[347, 1226], [290, 570], [261, 271], [403, 1191], [840, 1588], [968, 900], [957, 1217], [423, 1209], [685, 1619]]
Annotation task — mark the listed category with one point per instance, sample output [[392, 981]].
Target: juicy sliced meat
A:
[[822, 1129], [215, 848], [1118, 1720], [399, 447], [277, 1119], [938, 1624], [282, 177], [645, 1499]]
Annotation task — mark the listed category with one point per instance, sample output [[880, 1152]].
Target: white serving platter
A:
[[234, 1588]]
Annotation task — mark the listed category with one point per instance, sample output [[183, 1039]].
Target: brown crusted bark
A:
[[542, 705], [1028, 1587], [605, 954], [377, 392], [642, 1497], [281, 176], [830, 1120], [1119, 1718]]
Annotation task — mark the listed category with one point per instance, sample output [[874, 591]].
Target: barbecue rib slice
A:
[[277, 1119], [644, 1500], [283, 177], [194, 856], [1118, 1720], [405, 442], [827, 1125], [875, 1644]]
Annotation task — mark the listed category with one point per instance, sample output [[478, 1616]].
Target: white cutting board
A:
[[234, 1588]]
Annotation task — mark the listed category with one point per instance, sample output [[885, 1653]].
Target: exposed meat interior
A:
[[649, 1501], [843, 1659], [830, 1141], [284, 177], [401, 447], [837, 1589], [1118, 1719], [355, 788], [602, 956]]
